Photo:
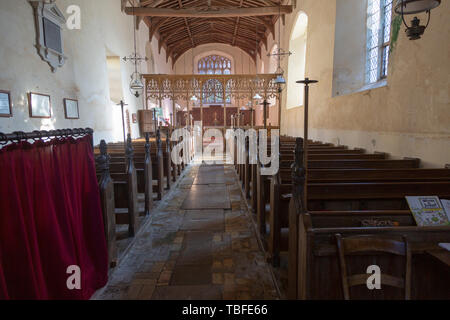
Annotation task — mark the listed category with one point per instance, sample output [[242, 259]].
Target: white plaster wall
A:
[[105, 30], [409, 117], [159, 66], [349, 46]]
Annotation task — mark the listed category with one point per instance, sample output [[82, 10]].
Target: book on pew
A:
[[446, 205], [428, 211]]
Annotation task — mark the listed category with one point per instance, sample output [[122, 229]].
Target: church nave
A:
[[224, 150], [194, 247]]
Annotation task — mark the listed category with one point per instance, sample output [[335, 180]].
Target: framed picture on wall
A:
[[5, 104], [39, 105], [71, 109], [134, 117]]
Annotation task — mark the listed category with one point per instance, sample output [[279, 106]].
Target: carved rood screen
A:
[[183, 87]]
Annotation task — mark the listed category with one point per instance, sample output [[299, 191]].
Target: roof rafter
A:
[[218, 12], [180, 25]]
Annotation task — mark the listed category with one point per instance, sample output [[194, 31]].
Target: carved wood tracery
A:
[[183, 87]]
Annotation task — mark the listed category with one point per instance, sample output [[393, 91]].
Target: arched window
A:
[[297, 62], [213, 92], [379, 14], [214, 64]]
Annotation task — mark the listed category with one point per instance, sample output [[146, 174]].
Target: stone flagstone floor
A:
[[194, 254]]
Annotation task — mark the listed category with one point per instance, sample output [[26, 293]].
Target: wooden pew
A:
[[345, 196], [169, 169], [318, 269], [336, 156], [176, 169], [264, 182], [278, 188], [106, 187], [157, 161], [286, 145], [263, 191], [313, 268], [281, 186], [144, 172], [344, 189], [350, 175], [125, 193]]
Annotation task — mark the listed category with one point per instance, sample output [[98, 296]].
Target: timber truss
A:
[[180, 25]]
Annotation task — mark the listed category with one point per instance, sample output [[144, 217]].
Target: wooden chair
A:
[[366, 245]]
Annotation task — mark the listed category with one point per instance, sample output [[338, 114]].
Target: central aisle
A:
[[199, 244]]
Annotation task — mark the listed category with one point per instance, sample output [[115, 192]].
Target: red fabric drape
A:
[[50, 219]]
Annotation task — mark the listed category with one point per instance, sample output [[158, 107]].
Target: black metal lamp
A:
[[136, 84], [405, 7], [280, 81]]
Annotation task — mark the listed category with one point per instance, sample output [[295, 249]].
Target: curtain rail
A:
[[35, 135]]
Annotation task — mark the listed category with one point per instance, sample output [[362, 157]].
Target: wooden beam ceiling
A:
[[199, 13], [236, 26], [181, 25]]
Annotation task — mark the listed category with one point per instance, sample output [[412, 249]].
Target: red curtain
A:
[[50, 219]]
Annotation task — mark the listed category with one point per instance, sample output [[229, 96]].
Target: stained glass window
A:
[[213, 89], [213, 92], [379, 14], [214, 64]]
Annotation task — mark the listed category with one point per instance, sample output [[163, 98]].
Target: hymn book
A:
[[428, 211], [446, 205]]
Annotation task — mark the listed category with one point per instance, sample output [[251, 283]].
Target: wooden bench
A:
[[106, 187], [156, 159], [170, 170], [264, 182], [126, 193], [350, 175], [249, 170], [144, 172], [317, 269], [345, 196], [313, 269]]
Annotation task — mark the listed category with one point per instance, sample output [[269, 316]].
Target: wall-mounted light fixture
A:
[[406, 7]]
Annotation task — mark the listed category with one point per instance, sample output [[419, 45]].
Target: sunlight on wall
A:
[[297, 61], [273, 61], [48, 124], [115, 79], [116, 94]]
